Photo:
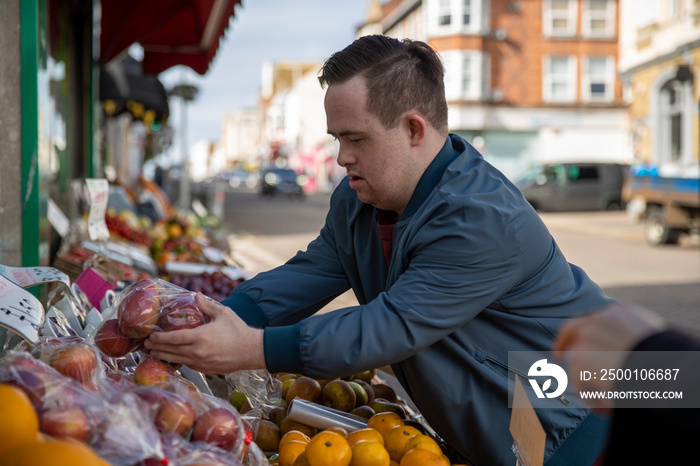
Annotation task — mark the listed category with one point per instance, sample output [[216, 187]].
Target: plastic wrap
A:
[[143, 307], [220, 424], [262, 390], [110, 421]]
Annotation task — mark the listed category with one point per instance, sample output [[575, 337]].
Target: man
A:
[[451, 267]]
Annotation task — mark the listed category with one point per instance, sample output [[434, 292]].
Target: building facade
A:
[[527, 81], [659, 66]]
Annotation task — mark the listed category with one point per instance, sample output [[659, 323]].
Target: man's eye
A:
[[355, 141]]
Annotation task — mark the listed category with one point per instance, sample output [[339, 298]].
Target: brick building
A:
[[527, 81]]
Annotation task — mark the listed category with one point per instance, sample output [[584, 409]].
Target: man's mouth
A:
[[355, 181]]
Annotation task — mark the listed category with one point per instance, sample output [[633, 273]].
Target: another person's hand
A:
[[602, 339], [224, 344]]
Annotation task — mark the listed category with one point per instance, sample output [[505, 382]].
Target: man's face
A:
[[376, 159]]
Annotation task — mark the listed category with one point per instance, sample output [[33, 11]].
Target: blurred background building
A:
[[527, 82]]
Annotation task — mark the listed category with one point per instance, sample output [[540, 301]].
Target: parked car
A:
[[282, 181], [574, 186]]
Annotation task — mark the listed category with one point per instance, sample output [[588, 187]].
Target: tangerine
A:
[[293, 435], [369, 453], [52, 453], [328, 449], [20, 424], [417, 457], [422, 442], [290, 451], [395, 441], [370, 434], [384, 422]]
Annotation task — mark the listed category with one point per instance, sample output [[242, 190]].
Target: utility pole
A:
[[187, 93]]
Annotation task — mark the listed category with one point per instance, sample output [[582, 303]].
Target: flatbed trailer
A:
[[668, 206]]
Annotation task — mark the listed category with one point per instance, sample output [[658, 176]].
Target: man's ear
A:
[[416, 128]]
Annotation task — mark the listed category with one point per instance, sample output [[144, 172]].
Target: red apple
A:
[[174, 414], [111, 341], [30, 382], [179, 313], [152, 371], [138, 313], [77, 361], [65, 422], [217, 426]]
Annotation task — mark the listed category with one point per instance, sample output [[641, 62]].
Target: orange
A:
[[328, 449], [395, 440], [20, 423], [384, 422], [290, 451], [369, 453], [393, 463], [418, 457], [52, 453], [338, 430], [422, 442], [372, 435], [293, 435]]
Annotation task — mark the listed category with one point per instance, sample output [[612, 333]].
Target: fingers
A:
[[208, 307], [567, 335]]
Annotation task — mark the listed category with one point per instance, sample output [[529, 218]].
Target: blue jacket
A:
[[474, 274]]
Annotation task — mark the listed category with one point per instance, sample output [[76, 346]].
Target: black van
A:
[[574, 186]]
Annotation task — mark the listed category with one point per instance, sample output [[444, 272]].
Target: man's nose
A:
[[344, 159]]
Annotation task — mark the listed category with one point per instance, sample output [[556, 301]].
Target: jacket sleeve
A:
[[294, 290]]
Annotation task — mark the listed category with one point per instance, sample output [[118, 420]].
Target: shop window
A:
[[560, 17]]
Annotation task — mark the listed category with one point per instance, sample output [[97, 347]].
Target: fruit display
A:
[[129, 226], [67, 390], [390, 437], [217, 285]]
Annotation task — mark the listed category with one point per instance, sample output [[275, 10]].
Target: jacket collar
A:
[[430, 178]]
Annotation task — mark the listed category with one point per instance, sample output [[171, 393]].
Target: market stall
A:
[[74, 367]]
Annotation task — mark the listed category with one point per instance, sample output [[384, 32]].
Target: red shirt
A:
[[385, 223]]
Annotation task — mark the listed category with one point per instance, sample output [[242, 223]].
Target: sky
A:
[[261, 30]]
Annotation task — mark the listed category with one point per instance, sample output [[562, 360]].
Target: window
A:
[[467, 78], [560, 17], [559, 79], [445, 16], [599, 18], [672, 118], [598, 80], [582, 172], [465, 74], [466, 12]]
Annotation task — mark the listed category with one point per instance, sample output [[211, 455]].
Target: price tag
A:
[[20, 311], [57, 218], [98, 193], [30, 276]]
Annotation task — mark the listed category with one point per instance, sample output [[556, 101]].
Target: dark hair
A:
[[400, 75]]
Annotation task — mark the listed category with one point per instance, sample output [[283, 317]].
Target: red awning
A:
[[171, 32]]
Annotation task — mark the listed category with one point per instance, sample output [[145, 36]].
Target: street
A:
[[609, 246]]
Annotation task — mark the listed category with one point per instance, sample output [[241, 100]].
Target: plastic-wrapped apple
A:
[[30, 382], [153, 371], [138, 312], [216, 426], [174, 415], [78, 361], [65, 422], [111, 341], [180, 312]]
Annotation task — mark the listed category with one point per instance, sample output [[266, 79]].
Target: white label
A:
[[98, 192], [30, 276], [20, 311], [57, 218]]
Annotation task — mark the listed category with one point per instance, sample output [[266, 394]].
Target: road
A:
[[609, 246]]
